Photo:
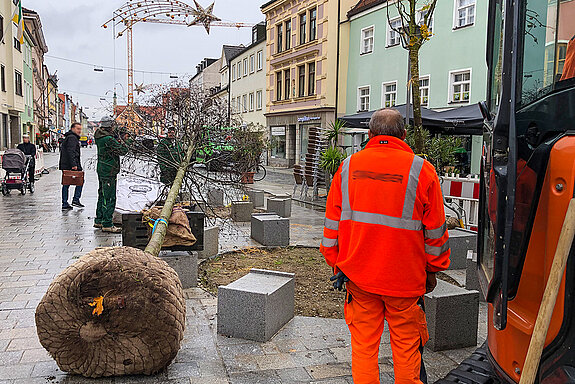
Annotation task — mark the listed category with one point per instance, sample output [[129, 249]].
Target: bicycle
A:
[[260, 172]]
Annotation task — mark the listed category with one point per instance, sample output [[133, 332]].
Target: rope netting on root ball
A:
[[116, 311]]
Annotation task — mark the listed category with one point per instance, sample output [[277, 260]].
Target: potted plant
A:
[[330, 161], [249, 146]]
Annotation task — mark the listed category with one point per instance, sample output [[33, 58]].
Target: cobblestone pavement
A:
[[38, 240]]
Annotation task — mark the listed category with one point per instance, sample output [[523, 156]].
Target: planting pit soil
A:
[[314, 294]]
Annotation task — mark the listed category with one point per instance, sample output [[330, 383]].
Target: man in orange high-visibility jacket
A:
[[385, 235]]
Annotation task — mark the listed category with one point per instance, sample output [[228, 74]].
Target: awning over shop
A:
[[466, 120]]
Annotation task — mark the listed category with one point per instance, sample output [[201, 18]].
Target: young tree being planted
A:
[[121, 310]]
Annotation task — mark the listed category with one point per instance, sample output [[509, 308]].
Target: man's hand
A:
[[339, 280], [431, 282], [74, 168]]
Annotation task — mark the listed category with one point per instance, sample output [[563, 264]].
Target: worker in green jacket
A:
[[109, 151], [170, 155]]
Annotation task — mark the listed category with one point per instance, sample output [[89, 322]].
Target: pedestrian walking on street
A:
[[385, 237], [29, 149], [109, 151], [70, 161], [170, 155]]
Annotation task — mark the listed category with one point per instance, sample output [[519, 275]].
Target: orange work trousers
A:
[[365, 314]]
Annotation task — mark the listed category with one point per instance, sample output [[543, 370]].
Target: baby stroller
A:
[[16, 165]]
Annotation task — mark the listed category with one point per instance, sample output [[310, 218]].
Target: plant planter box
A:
[[135, 233], [248, 177]]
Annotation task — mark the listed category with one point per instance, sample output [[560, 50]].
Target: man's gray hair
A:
[[387, 121]]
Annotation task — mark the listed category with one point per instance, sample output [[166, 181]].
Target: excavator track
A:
[[474, 370]]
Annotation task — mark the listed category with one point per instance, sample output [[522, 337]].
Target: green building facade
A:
[[453, 69], [27, 117]]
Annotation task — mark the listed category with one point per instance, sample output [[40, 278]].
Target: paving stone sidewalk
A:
[[38, 240]]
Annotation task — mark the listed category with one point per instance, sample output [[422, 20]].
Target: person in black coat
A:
[[29, 149], [70, 161]]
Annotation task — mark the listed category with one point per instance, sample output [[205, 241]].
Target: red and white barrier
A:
[[464, 193]]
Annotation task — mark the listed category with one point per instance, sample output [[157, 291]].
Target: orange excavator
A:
[[527, 180]]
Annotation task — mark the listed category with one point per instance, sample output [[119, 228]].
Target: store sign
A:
[[305, 119], [278, 131]]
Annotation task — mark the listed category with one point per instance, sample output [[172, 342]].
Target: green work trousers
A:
[[106, 201]]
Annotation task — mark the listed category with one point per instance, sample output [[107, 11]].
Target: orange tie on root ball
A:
[[99, 304]]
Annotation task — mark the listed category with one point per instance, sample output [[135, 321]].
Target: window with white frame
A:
[[424, 91], [393, 37], [239, 76], [460, 86], [464, 13], [245, 103], [389, 94], [367, 40], [234, 72], [260, 55], [259, 100], [363, 99], [252, 63], [252, 97], [239, 104], [245, 66], [422, 15]]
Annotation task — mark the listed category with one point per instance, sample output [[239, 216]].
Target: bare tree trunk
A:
[[157, 239], [414, 47]]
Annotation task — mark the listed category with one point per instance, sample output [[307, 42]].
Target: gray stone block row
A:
[[185, 264], [461, 241], [452, 317], [280, 206], [256, 306], [270, 229], [242, 211], [256, 196], [211, 242]]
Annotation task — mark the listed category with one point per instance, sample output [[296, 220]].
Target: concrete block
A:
[[461, 241], [256, 196], [270, 229], [185, 264], [242, 211], [216, 197], [256, 306], [452, 317], [472, 275], [281, 206], [211, 242]]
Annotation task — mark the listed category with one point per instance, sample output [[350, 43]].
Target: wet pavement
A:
[[38, 241]]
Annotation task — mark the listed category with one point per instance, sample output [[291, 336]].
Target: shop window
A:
[[278, 142]]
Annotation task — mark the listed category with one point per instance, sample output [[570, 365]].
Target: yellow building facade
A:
[[303, 47]]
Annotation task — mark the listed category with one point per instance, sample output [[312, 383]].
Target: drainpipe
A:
[[338, 54], [229, 93]]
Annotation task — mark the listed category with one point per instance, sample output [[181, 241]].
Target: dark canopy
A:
[[466, 120]]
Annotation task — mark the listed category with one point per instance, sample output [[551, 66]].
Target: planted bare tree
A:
[[415, 18], [121, 311]]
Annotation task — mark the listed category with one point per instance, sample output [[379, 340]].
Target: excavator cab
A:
[[527, 180]]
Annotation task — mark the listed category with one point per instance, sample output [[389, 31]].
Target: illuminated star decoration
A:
[[204, 16], [140, 88]]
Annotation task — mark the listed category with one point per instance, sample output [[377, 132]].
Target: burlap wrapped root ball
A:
[[116, 311]]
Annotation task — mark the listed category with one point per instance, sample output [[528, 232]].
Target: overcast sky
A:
[[72, 29]]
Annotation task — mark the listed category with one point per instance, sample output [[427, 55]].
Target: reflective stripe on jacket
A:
[[385, 223]]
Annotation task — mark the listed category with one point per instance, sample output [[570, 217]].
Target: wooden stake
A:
[[549, 297], [155, 244]]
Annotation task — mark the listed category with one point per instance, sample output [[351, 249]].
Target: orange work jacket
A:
[[384, 221]]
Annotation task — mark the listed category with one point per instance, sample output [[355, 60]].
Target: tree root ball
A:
[[142, 319]]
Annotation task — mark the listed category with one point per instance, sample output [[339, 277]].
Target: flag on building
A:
[[19, 20]]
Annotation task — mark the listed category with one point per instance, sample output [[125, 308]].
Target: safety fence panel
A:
[[461, 195]]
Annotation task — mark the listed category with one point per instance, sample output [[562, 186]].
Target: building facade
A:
[[248, 80], [302, 49], [11, 79], [33, 24], [53, 102], [27, 117], [453, 70], [207, 77]]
